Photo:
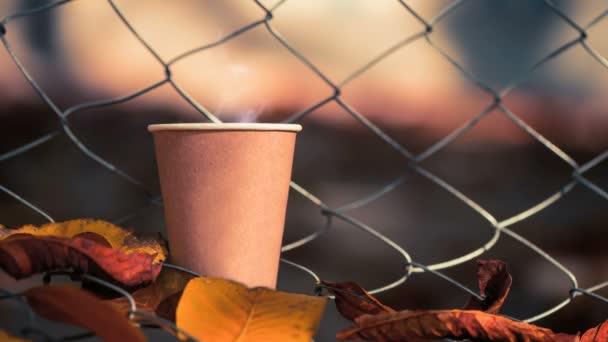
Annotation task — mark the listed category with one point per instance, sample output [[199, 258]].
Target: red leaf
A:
[[353, 301], [597, 334], [102, 232], [494, 284], [24, 255], [68, 304], [456, 324]]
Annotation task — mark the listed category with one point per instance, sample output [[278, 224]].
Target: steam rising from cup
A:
[[239, 87]]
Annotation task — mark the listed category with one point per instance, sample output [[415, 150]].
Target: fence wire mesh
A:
[[501, 228]]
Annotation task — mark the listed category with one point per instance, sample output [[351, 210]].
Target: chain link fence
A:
[[501, 228]]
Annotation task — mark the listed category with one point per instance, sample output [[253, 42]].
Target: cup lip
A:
[[231, 126]]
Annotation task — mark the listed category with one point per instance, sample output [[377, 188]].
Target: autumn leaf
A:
[[597, 334], [148, 299], [494, 285], [455, 324], [95, 247], [221, 310], [23, 256], [71, 305], [378, 322], [353, 301], [107, 233]]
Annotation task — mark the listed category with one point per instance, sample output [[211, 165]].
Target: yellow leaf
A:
[[115, 236], [221, 310]]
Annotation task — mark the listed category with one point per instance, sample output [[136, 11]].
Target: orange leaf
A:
[[494, 285], [456, 324], [353, 301], [71, 305], [94, 247], [221, 310], [597, 334], [149, 298]]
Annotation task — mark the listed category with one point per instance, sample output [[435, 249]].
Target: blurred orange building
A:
[[252, 74]]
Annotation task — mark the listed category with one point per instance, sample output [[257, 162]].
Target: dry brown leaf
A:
[[23, 256], [477, 322], [71, 305], [113, 235], [353, 301], [149, 298], [95, 247], [597, 334], [456, 324], [494, 284], [220, 310]]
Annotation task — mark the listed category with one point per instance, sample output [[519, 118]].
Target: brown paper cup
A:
[[225, 190]]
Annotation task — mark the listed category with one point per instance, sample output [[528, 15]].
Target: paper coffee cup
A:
[[225, 189]]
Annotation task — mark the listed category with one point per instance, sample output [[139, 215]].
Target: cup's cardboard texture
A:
[[225, 189]]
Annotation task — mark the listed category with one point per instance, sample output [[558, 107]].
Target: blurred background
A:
[[81, 52]]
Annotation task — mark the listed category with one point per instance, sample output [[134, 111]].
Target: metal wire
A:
[[428, 27]]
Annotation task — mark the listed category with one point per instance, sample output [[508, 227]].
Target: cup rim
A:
[[231, 126]]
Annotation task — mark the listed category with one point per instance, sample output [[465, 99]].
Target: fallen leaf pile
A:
[[478, 321], [207, 309], [219, 310]]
